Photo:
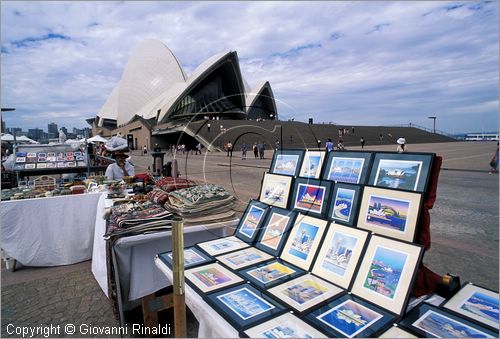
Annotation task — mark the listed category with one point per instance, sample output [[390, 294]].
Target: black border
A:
[[203, 294], [219, 260], [216, 255], [298, 152], [322, 169], [244, 273], [241, 236], [316, 182], [355, 205], [286, 231], [262, 187], [168, 261], [368, 156]]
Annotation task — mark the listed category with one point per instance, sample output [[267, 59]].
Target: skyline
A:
[[350, 63]]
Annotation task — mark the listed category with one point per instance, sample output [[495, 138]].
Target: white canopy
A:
[[97, 138], [24, 138], [7, 137]]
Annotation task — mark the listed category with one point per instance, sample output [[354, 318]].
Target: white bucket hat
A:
[[401, 141]]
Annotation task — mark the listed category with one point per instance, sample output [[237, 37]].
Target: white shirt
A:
[[114, 172]]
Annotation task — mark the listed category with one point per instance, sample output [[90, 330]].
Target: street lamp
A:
[[433, 118]]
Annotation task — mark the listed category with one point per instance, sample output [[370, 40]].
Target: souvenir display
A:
[[211, 277], [387, 272], [275, 189], [396, 332], [284, 326], [192, 257], [390, 212], [312, 164], [222, 245], [244, 258], [287, 162], [269, 274], [405, 171], [310, 196], [275, 230], [169, 184], [251, 221], [340, 254], [344, 203], [32, 155], [348, 167]]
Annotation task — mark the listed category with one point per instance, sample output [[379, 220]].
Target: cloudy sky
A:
[[352, 63]]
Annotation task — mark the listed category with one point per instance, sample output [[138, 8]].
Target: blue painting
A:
[[387, 213], [303, 240], [346, 170], [343, 204], [312, 166], [310, 197], [251, 221], [339, 253], [482, 305], [401, 174], [286, 164], [441, 326], [245, 303]]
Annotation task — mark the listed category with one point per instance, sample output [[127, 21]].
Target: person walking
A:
[[277, 145], [255, 150], [244, 149], [144, 150], [494, 162], [340, 145], [229, 149], [261, 148], [329, 145], [208, 127], [198, 149], [401, 145], [319, 143], [362, 141]]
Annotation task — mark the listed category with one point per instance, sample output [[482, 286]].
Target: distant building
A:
[[64, 129], [35, 133]]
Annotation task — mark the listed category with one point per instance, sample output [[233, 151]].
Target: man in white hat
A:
[[401, 145]]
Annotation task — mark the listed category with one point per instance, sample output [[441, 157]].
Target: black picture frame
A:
[[250, 222], [350, 167], [275, 230], [266, 279], [304, 189], [223, 245], [287, 162], [336, 318], [312, 164], [237, 303], [193, 257], [348, 195], [405, 171], [275, 189], [210, 278]]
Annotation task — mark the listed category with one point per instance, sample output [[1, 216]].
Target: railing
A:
[[430, 130]]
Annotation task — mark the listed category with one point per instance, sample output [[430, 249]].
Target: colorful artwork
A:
[[312, 166], [310, 197], [482, 305], [211, 277], [41, 166], [245, 303], [400, 174], [50, 158], [42, 155], [222, 245], [244, 257], [51, 165], [303, 241], [343, 204], [349, 318], [286, 164], [441, 326], [20, 159], [31, 155], [287, 329], [385, 271], [30, 166], [251, 221], [388, 213], [190, 257], [274, 230], [339, 253], [276, 192], [304, 291], [346, 170], [271, 272]]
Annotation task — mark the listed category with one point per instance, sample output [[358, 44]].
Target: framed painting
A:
[[305, 292], [269, 274], [304, 240], [433, 322], [312, 164], [244, 258], [396, 332], [275, 189], [211, 277], [244, 306], [390, 212], [310, 196], [387, 273], [251, 220], [222, 245], [284, 326], [275, 230], [192, 257], [340, 254], [476, 303], [405, 171], [349, 167], [344, 203], [287, 162], [350, 317]]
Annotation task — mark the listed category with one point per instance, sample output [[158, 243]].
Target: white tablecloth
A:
[[49, 231]]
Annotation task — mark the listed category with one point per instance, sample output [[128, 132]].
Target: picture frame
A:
[[310, 196], [340, 254], [390, 212], [396, 332], [350, 167], [284, 326], [477, 303], [349, 316], [244, 306], [222, 245], [250, 222], [344, 203], [244, 258], [312, 165], [287, 162], [275, 189], [406, 171], [271, 273], [387, 272], [275, 230], [303, 241], [193, 257], [211, 277], [434, 322], [305, 292]]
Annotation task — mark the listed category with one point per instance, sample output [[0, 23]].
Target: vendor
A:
[[121, 168]]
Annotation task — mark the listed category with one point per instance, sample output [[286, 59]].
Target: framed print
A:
[[30, 166], [344, 203], [269, 274], [275, 230], [432, 322], [244, 258], [250, 222], [312, 164], [390, 212], [211, 277], [387, 272], [303, 241], [287, 162], [284, 326], [477, 303], [244, 306], [350, 317], [222, 245], [406, 171], [396, 332], [192, 257], [310, 196], [304, 292], [340, 254], [43, 165], [349, 167], [20, 159], [275, 189]]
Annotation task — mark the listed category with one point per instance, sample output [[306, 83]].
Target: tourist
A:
[[208, 127], [401, 145], [229, 146], [121, 168], [319, 143], [494, 162], [340, 145], [329, 145], [261, 147], [144, 150], [277, 145], [244, 149], [255, 150], [362, 141], [380, 138], [198, 148]]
